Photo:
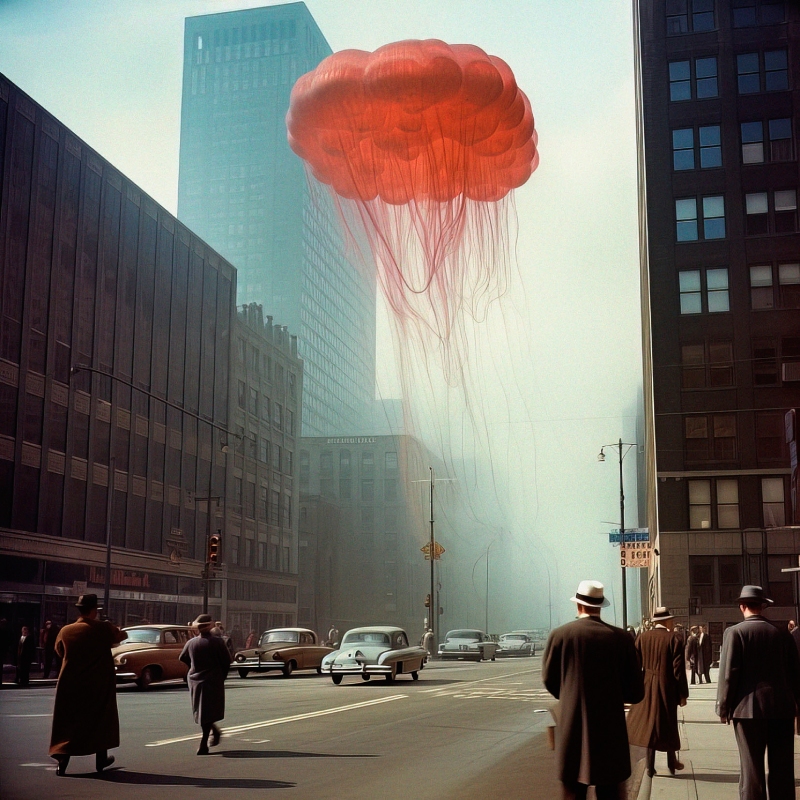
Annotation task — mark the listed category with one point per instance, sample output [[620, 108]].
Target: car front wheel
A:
[[415, 676], [287, 669], [145, 679], [243, 673], [337, 679]]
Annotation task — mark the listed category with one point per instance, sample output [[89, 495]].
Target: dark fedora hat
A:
[[86, 602], [661, 613], [203, 622], [753, 594]]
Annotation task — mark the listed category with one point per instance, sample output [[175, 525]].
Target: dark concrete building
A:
[[720, 107], [246, 193], [116, 329]]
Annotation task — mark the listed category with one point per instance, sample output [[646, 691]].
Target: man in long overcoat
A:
[[591, 667], [26, 652], [85, 719], [759, 689], [653, 723], [706, 653], [208, 659], [47, 641]]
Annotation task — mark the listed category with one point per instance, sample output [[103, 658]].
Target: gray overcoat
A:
[[759, 672], [208, 659], [593, 670]]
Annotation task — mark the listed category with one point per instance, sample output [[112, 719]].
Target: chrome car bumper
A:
[[126, 676], [357, 669], [254, 663], [455, 654]]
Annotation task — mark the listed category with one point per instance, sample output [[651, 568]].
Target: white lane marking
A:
[[232, 731], [20, 716], [482, 680]]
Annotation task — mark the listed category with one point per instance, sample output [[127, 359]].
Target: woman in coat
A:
[[85, 719], [653, 723], [208, 660]]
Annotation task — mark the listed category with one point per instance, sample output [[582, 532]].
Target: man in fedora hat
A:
[[653, 723], [759, 690], [592, 669], [85, 719], [208, 659]]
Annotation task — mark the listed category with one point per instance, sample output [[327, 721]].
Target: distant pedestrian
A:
[[791, 626], [26, 652], [706, 654], [759, 690], [653, 723], [691, 653], [208, 660], [428, 642], [47, 641], [5, 641], [592, 669], [252, 639], [796, 637], [85, 718], [333, 635]]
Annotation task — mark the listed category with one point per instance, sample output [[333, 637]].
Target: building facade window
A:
[[699, 505], [693, 80], [759, 72], [710, 437], [713, 504], [727, 503], [778, 138], [707, 365], [715, 580], [390, 460], [687, 222], [684, 155], [689, 16], [763, 217], [747, 13], [367, 490], [773, 504], [704, 291], [770, 437]]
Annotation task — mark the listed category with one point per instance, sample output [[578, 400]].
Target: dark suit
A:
[[705, 651], [692, 656], [593, 670], [26, 651], [759, 689]]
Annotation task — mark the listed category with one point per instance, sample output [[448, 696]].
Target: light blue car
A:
[[374, 650]]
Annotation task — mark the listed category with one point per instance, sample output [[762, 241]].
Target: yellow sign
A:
[[437, 551], [637, 554]]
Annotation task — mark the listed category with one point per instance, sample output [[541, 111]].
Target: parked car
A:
[[515, 645], [375, 650], [150, 654], [469, 644], [286, 649]]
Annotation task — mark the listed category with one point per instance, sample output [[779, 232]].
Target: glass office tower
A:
[[246, 193]]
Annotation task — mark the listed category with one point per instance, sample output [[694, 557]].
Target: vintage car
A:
[[516, 645], [469, 644], [374, 650], [150, 654], [286, 649]]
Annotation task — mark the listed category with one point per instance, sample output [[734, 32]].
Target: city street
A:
[[462, 730]]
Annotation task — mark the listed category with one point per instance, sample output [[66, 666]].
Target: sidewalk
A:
[[708, 752]]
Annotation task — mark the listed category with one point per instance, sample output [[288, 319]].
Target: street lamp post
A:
[[601, 457]]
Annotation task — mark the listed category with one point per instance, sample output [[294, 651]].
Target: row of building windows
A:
[[761, 141], [707, 291], [367, 494], [266, 505], [715, 437], [260, 406], [698, 16], [714, 504], [768, 212], [698, 78]]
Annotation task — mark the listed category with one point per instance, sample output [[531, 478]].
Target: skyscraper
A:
[[245, 192], [720, 104]]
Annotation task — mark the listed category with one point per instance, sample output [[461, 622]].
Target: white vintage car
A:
[[374, 650], [516, 645], [469, 644]]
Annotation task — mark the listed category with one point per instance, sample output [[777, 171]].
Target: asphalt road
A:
[[461, 731]]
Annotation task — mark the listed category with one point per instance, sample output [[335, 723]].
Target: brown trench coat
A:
[[654, 722], [85, 717], [593, 670]]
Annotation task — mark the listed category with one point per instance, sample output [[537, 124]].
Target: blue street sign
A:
[[631, 535]]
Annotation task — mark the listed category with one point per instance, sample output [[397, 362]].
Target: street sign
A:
[[635, 555], [631, 535], [437, 551]]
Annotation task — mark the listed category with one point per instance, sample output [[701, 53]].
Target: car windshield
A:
[[145, 636], [474, 635], [271, 637], [369, 637], [513, 638]]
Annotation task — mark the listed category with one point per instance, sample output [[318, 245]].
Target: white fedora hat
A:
[[590, 593]]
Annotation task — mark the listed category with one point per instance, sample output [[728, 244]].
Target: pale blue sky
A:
[[567, 344]]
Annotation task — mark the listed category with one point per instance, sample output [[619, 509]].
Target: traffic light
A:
[[214, 544], [427, 601]]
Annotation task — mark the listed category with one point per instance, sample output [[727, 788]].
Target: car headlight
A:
[[277, 656], [121, 661], [240, 657]]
